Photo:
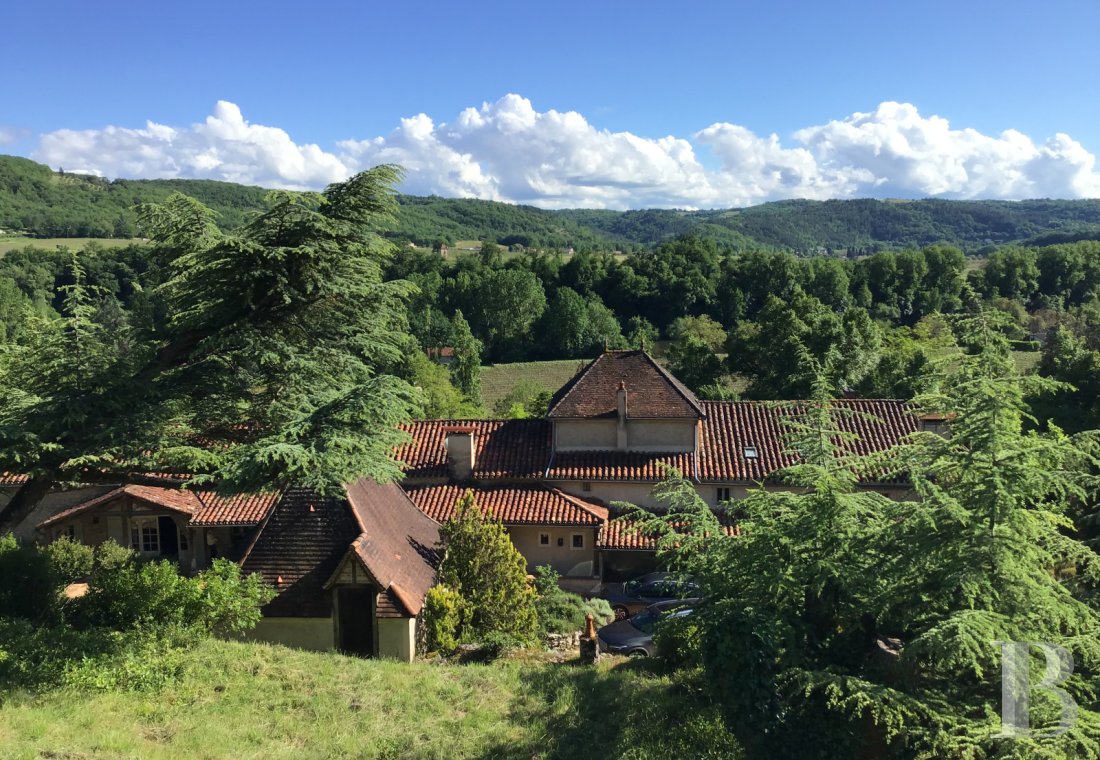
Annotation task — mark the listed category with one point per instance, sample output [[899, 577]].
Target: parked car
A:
[[634, 637], [637, 594]]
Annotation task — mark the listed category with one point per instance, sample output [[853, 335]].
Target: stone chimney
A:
[[620, 430], [461, 444]]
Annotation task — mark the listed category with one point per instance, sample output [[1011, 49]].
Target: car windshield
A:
[[646, 619]]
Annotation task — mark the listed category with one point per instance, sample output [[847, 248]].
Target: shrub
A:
[[440, 619], [560, 611], [29, 585], [71, 560], [678, 641], [482, 565]]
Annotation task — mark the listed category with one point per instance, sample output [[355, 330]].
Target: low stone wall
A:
[[563, 642]]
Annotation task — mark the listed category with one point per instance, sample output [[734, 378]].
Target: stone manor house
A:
[[351, 573]]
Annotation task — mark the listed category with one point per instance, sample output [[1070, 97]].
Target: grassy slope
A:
[[498, 380], [18, 243], [253, 700]]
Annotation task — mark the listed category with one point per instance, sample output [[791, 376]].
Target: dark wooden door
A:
[[356, 619]]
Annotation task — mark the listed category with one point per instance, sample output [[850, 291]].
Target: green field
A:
[[498, 380], [13, 243], [243, 700]]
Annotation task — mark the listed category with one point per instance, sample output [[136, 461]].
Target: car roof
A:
[[673, 604], [659, 576]]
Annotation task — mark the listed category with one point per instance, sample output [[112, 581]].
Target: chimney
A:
[[620, 430], [460, 444]]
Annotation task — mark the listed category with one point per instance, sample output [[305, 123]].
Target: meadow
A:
[[238, 699]]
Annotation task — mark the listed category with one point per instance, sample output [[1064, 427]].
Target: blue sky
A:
[[617, 104]]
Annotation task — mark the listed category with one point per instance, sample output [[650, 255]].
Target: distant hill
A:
[[36, 201]]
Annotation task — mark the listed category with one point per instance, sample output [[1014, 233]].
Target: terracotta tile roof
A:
[[618, 465], [168, 498], [303, 540], [652, 391], [512, 505], [618, 534], [12, 479], [398, 544], [733, 426], [504, 448], [234, 509]]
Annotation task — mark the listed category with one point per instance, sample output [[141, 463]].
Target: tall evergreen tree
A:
[[273, 368], [466, 370], [842, 624]]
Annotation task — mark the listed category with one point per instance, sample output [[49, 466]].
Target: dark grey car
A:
[[634, 637], [639, 593]]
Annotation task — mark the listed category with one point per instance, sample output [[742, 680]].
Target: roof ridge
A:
[[571, 384], [678, 386]]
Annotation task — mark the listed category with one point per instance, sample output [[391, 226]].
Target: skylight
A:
[[750, 452]]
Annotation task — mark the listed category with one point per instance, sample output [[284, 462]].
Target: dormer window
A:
[[750, 452]]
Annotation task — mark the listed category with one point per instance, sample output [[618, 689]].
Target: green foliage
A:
[[774, 349], [466, 370], [841, 623], [560, 611], [481, 564], [29, 583], [286, 329], [528, 398], [441, 617], [439, 398], [71, 560]]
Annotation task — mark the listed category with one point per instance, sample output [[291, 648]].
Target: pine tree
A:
[[483, 566]]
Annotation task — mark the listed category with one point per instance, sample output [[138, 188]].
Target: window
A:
[[723, 493], [544, 539], [578, 541], [184, 542], [586, 486], [145, 536], [750, 452], [70, 532]]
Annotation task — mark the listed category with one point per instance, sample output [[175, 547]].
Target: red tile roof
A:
[[206, 508], [398, 544], [618, 534], [731, 426], [652, 391], [503, 448], [618, 465], [234, 509], [300, 544], [168, 498], [512, 505], [12, 479]]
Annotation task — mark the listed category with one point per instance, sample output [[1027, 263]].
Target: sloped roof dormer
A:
[[654, 392]]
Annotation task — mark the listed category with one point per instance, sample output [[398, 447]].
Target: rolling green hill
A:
[[38, 202]]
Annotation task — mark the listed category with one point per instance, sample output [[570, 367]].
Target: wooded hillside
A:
[[39, 202]]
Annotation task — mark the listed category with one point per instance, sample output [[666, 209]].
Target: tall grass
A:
[[248, 700]]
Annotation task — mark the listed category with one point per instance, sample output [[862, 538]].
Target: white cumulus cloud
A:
[[224, 146], [510, 151]]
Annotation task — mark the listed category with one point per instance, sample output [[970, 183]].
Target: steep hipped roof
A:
[[398, 543], [512, 505], [297, 550], [652, 391]]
